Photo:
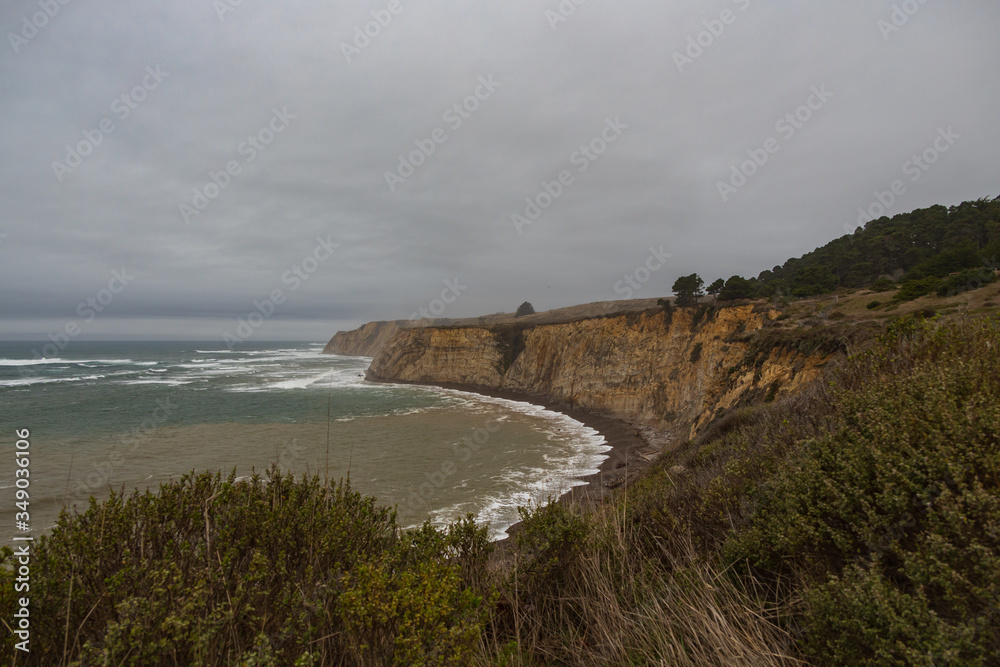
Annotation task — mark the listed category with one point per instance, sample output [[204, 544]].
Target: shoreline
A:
[[632, 445]]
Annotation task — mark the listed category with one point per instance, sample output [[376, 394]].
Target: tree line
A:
[[943, 249]]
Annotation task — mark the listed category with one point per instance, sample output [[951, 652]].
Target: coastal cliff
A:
[[653, 367], [364, 341]]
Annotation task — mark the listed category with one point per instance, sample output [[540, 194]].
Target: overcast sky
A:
[[120, 121]]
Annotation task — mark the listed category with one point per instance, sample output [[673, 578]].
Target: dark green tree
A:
[[736, 287], [688, 290], [930, 242], [525, 309], [716, 287], [816, 279], [772, 288]]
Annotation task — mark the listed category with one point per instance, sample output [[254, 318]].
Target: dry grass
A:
[[854, 305], [620, 603]]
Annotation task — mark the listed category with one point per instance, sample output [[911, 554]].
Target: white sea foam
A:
[[200, 365], [294, 383], [58, 360], [403, 412], [26, 382], [308, 379], [172, 383], [533, 486]]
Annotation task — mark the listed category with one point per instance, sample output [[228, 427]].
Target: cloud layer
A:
[[355, 157]]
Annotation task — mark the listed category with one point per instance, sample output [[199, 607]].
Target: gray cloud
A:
[[323, 175]]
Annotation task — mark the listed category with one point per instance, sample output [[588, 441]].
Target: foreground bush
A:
[[266, 572], [891, 514]]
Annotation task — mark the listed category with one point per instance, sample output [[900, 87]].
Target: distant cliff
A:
[[652, 367], [364, 341]]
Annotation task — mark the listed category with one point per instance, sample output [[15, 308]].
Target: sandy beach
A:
[[632, 447]]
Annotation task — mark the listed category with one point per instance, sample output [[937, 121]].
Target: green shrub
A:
[[915, 289], [872, 305], [260, 571], [891, 512], [418, 615], [548, 543], [883, 284]]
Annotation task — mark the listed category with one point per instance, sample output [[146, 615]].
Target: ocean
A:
[[133, 415]]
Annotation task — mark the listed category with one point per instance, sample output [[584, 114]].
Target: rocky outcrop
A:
[[653, 367], [364, 341]]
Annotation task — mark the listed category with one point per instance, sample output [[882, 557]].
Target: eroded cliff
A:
[[364, 341], [652, 367]]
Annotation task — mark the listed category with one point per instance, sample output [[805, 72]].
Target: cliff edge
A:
[[653, 367]]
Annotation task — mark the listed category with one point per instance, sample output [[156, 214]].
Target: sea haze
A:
[[135, 415]]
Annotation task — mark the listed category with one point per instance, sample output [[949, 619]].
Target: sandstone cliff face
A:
[[365, 341], [648, 367]]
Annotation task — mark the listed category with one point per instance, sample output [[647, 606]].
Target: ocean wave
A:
[[572, 427], [236, 362], [584, 450], [338, 378], [59, 360], [101, 362], [500, 511], [404, 412], [172, 383], [26, 382]]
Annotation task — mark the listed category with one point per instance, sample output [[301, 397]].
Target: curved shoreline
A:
[[630, 448]]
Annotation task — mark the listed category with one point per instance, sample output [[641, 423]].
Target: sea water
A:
[[135, 415]]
